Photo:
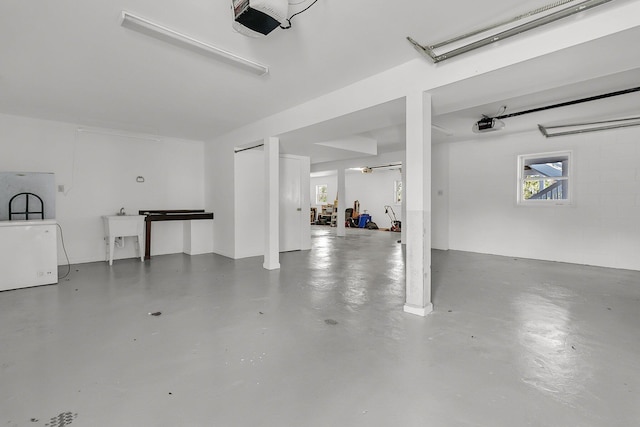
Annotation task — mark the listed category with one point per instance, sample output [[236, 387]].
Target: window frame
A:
[[545, 158], [326, 192], [397, 200]]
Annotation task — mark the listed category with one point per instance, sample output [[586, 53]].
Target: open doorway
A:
[[373, 195]]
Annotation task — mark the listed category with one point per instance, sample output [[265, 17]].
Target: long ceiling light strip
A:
[[175, 38], [577, 128], [430, 50]]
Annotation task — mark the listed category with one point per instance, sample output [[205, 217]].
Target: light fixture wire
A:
[[297, 13]]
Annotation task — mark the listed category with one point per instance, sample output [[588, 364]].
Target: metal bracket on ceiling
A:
[[484, 36]]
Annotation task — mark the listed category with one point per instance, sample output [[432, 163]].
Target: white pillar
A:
[[418, 203], [403, 204], [272, 204], [305, 182], [342, 203]]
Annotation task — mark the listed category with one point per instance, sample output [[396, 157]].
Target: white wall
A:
[[331, 181], [440, 196], [250, 202], [601, 228], [220, 195], [98, 171], [374, 191]]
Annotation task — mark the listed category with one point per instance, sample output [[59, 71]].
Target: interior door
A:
[[290, 204]]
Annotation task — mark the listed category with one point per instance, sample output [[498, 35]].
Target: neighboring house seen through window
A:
[[544, 178]]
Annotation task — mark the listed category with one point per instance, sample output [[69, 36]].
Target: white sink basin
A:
[[123, 226]]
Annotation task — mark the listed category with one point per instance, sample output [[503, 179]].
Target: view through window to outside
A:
[[321, 194], [544, 177], [397, 192]]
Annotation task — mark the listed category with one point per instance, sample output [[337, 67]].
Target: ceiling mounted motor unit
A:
[[257, 18], [487, 124]]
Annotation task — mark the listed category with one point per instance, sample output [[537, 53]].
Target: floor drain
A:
[[62, 420], [330, 322]]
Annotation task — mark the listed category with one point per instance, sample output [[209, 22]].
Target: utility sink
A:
[[122, 226]]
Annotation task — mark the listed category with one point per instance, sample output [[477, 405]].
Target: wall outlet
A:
[[61, 188]]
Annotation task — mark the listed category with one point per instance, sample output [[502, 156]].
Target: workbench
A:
[[168, 215]]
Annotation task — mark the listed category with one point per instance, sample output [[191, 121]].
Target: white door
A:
[[290, 204]]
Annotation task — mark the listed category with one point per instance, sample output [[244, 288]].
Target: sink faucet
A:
[[121, 212]]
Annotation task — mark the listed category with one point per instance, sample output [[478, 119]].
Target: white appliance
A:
[[28, 253]]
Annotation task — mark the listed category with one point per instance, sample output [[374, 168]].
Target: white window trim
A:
[[319, 202], [395, 189], [556, 202]]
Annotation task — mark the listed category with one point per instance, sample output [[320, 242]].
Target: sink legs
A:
[[111, 242], [141, 248]]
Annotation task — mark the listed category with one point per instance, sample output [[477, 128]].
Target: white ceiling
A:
[[70, 60]]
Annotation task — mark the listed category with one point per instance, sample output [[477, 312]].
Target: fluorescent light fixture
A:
[[438, 52], [124, 134], [175, 38], [576, 128]]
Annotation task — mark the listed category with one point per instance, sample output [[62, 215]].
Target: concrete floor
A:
[[323, 342]]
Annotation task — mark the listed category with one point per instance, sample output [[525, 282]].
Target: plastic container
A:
[[363, 220]]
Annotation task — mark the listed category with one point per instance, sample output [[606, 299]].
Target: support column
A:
[[342, 203], [305, 181], [418, 203], [403, 204], [272, 203]]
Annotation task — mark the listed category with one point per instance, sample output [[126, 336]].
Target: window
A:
[[544, 179], [397, 192], [321, 194]]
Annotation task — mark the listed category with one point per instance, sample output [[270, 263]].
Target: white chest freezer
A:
[[28, 253]]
